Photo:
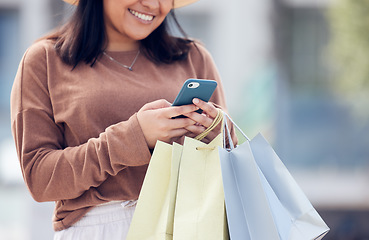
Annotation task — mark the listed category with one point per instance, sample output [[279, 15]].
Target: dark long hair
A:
[[83, 38]]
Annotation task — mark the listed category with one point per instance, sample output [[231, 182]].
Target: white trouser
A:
[[107, 221]]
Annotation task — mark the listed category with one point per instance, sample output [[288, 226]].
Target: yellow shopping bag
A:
[[200, 210], [182, 194], [153, 217]]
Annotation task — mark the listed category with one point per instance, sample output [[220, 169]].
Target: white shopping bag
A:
[[263, 201]]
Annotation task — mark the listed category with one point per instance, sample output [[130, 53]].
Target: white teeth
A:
[[142, 16]]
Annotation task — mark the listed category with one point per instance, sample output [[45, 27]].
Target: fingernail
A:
[[195, 101]]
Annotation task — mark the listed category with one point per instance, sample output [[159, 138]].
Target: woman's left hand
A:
[[203, 120]]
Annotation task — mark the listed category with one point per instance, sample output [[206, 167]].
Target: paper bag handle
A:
[[218, 119], [228, 133]]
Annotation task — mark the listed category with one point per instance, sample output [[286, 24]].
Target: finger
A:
[[200, 119], [161, 103], [175, 111], [196, 129], [210, 136], [206, 107], [181, 122], [177, 133]]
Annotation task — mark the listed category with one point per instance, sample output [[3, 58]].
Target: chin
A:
[[138, 34], [140, 37]]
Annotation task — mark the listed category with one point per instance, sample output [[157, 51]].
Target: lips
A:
[[141, 16]]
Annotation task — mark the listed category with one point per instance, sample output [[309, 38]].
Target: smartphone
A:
[[195, 88]]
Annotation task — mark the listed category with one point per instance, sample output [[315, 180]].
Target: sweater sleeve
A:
[[51, 170]]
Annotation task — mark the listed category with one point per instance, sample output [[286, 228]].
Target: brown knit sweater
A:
[[76, 131]]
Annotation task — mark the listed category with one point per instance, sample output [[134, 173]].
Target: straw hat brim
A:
[[177, 3]]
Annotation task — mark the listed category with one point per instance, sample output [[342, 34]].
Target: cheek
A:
[[166, 6], [110, 12]]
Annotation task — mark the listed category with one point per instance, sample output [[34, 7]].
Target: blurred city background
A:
[[295, 70]]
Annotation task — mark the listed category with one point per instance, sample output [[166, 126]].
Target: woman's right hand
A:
[[157, 122]]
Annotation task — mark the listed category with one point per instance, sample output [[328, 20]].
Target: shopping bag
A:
[[153, 217], [182, 194], [200, 210], [263, 201]]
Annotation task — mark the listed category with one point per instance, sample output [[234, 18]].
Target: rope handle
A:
[[222, 118], [218, 119]]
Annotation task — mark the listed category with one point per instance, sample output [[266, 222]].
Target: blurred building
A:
[[319, 135], [272, 57], [21, 23]]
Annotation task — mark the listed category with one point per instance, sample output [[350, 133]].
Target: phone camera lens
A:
[[190, 85]]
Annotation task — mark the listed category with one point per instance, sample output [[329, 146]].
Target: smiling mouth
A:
[[141, 15]]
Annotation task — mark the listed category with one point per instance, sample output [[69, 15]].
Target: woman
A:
[[89, 103]]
